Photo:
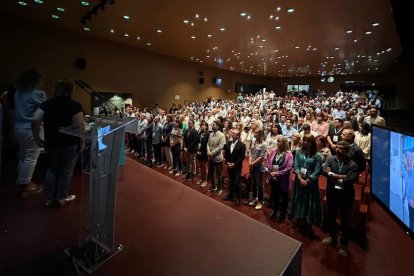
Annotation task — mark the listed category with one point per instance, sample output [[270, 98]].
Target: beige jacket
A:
[[215, 144]]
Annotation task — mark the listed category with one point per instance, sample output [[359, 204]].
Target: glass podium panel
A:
[[100, 165]]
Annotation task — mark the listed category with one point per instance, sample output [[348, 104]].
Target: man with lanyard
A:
[[334, 134], [299, 125], [341, 173]]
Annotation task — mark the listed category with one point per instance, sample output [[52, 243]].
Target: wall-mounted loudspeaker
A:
[[80, 63]]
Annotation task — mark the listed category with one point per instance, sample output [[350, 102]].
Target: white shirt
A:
[[232, 146]]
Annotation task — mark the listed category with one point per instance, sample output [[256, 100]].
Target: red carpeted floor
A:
[[32, 238]]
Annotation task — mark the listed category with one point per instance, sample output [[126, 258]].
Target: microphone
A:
[[100, 96]]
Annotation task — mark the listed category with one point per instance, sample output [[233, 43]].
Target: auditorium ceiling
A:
[[261, 37]]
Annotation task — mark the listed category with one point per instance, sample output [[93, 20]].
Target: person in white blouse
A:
[[363, 139]]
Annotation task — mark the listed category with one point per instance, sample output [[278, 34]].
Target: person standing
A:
[[257, 154], [28, 98], [202, 152], [374, 118], [191, 140], [308, 167], [279, 165], [216, 142], [341, 173], [234, 153], [62, 149]]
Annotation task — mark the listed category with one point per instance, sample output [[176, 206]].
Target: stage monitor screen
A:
[[218, 81], [392, 174]]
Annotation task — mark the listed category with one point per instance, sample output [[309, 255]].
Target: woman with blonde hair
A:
[[243, 134], [279, 164]]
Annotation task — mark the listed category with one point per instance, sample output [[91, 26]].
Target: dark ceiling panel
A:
[[312, 40]]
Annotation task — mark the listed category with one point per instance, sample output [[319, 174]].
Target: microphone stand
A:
[[90, 95], [100, 96]]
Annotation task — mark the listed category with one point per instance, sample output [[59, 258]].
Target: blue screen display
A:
[[393, 174], [101, 132]]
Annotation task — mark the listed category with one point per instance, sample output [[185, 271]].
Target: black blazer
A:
[[191, 140], [237, 156], [203, 146]]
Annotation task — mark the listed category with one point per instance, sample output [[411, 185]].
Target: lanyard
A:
[[340, 165], [336, 132]]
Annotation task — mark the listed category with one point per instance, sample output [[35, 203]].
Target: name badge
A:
[[275, 168], [338, 185], [303, 172], [335, 138]]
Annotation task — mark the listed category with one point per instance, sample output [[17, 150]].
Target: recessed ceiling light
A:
[[23, 3], [192, 24], [126, 35], [263, 40], [215, 48], [278, 27], [60, 9], [193, 37], [271, 16], [290, 10], [276, 18], [86, 29], [197, 16], [336, 49], [389, 49], [243, 14], [148, 44], [222, 29], [248, 17], [126, 17], [355, 40], [54, 16], [375, 24], [368, 32], [159, 31], [209, 35], [205, 19], [39, 1], [278, 8], [297, 47], [112, 31], [261, 46], [349, 31], [185, 21], [85, 3], [138, 38]]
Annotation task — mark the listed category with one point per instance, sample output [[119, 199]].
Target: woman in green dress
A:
[[307, 203]]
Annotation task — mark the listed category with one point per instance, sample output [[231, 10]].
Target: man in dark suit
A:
[[191, 140], [234, 153]]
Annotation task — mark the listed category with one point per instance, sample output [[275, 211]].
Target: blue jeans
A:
[[60, 171], [28, 153]]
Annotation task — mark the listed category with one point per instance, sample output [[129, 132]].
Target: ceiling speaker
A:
[[80, 63]]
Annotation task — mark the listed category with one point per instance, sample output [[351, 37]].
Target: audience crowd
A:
[[264, 139]]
